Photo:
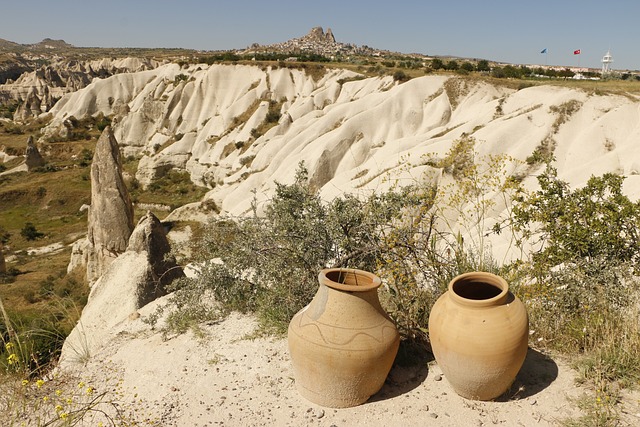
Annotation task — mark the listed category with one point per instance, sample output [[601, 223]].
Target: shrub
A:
[[269, 263], [483, 66], [272, 116], [596, 221], [180, 78], [436, 64], [102, 122], [581, 284], [401, 77], [467, 66], [451, 65], [30, 232], [86, 157]]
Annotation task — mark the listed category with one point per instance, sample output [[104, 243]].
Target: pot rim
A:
[[371, 280], [484, 277]]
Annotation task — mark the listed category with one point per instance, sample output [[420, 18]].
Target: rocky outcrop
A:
[[150, 238], [317, 35], [29, 108], [315, 41], [134, 279], [33, 159], [111, 211], [37, 90], [355, 135]]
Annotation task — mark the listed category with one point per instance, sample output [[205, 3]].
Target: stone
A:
[[329, 36], [149, 237], [110, 220], [132, 280], [31, 107], [33, 159]]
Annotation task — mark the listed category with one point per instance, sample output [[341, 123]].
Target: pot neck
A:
[[479, 289], [349, 279]]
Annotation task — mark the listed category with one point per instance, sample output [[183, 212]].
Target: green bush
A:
[[451, 65], [30, 232], [268, 264], [581, 284], [483, 66], [596, 221], [401, 77], [437, 64]]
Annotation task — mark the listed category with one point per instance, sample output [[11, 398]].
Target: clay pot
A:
[[479, 333], [342, 344]]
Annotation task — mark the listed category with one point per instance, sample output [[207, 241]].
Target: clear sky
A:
[[512, 31]]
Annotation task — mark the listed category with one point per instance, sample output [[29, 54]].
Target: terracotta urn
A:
[[479, 335], [342, 344]]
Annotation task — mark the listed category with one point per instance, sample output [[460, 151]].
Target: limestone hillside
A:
[[239, 128]]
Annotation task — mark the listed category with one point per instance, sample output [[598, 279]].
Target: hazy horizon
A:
[[497, 30]]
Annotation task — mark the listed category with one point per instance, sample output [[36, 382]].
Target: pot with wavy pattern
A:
[[342, 344]]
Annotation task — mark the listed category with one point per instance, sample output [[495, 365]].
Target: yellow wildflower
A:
[[58, 408], [39, 383], [58, 392], [64, 415], [81, 384], [45, 399], [90, 390], [8, 346], [25, 382], [12, 359]]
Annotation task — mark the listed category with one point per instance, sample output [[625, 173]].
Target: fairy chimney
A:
[[33, 159], [111, 211]]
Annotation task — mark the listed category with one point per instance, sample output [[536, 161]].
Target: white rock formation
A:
[[111, 212], [134, 279], [354, 136], [38, 89]]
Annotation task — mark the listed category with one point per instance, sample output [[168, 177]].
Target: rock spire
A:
[[111, 211], [33, 159]]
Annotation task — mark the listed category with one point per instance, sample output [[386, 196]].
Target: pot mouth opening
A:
[[479, 289], [349, 279]]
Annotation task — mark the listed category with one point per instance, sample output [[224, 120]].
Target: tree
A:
[[512, 72], [452, 65], [483, 66], [467, 66], [437, 64], [566, 73], [498, 72]]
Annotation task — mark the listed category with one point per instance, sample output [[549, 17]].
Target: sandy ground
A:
[[228, 378]]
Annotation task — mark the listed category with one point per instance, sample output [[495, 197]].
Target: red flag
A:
[[576, 52]]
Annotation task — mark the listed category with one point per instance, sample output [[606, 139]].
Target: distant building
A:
[[607, 60]]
